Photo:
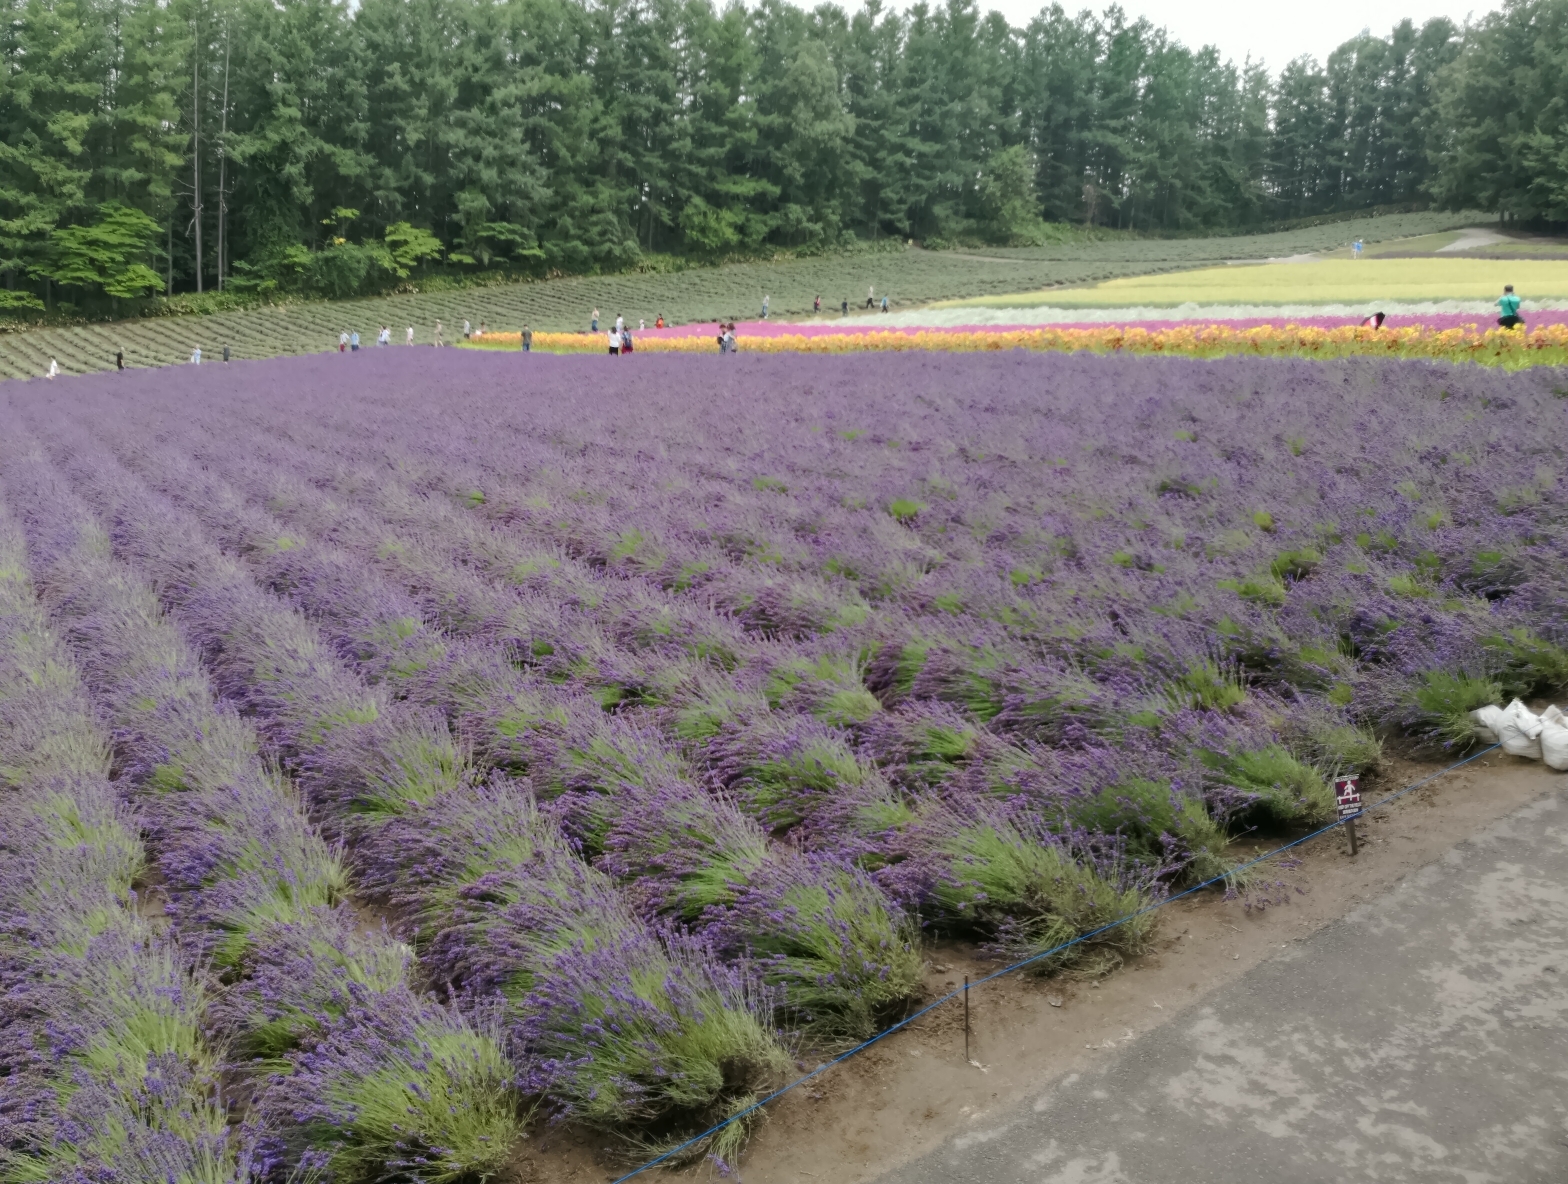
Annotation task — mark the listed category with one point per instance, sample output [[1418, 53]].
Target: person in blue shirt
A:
[[1508, 305], [353, 342]]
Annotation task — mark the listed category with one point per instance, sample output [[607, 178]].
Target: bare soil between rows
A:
[[910, 1092]]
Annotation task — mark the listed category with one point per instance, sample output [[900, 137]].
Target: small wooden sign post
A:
[[1347, 797]]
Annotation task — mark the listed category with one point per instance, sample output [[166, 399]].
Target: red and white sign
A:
[[1347, 795]]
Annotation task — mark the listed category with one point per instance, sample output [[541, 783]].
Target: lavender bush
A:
[[108, 1072], [254, 888], [1011, 643], [841, 954], [371, 764]]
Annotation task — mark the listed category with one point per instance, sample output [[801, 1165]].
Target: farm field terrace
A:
[[1323, 281], [512, 739], [908, 276]]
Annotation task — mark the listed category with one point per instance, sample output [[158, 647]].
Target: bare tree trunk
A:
[[223, 164], [196, 144]]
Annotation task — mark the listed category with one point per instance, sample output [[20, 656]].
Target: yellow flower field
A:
[[1328, 281], [1546, 345]]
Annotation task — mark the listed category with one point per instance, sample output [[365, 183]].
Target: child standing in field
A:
[[1508, 305]]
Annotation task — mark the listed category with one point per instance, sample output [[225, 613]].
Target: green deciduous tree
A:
[[109, 255]]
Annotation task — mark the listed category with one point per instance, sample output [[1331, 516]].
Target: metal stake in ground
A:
[[1347, 798]]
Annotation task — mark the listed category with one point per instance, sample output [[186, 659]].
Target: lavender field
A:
[[407, 748]]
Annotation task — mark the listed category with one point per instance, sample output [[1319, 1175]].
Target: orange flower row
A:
[[1547, 344]]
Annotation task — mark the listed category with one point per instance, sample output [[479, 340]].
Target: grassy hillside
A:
[[909, 276]]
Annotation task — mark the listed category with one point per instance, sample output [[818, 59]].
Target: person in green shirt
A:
[[1508, 305]]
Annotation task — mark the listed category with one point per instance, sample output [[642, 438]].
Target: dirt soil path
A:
[[907, 1096]]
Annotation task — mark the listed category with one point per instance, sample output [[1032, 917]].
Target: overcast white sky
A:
[[1272, 30]]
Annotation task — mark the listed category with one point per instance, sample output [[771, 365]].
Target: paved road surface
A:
[[1422, 1038]]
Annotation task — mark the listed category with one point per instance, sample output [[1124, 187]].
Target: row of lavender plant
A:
[[610, 1023], [828, 944], [108, 1074], [771, 755], [1335, 542], [1293, 534], [998, 862], [354, 1072]]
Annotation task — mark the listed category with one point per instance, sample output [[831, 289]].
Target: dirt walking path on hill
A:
[[911, 1110]]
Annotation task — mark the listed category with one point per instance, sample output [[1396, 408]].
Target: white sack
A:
[[1520, 731], [1487, 720], [1554, 741]]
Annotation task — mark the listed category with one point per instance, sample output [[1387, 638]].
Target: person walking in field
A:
[[119, 359], [409, 338], [196, 356], [626, 343], [468, 330], [659, 324], [620, 323], [54, 369], [593, 325], [1508, 305], [884, 304], [843, 307], [438, 340], [870, 294], [614, 338], [1355, 249], [226, 354], [764, 307], [353, 341], [527, 338], [483, 328], [816, 306], [343, 342]]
